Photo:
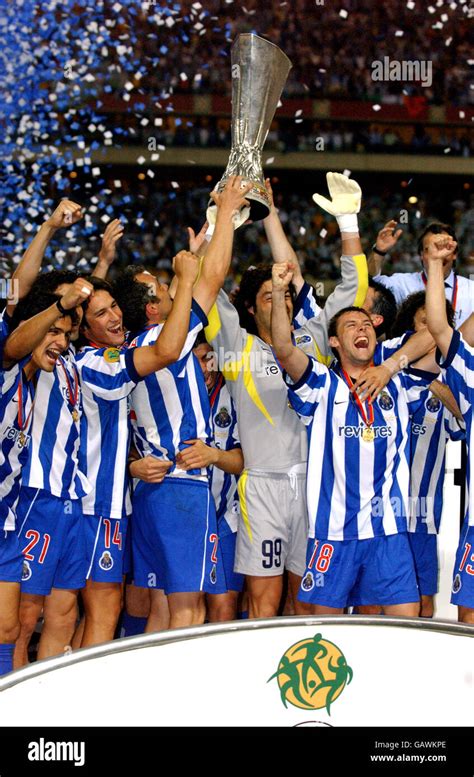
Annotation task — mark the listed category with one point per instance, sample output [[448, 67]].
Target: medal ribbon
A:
[[216, 390], [454, 297], [368, 420], [23, 425], [71, 393]]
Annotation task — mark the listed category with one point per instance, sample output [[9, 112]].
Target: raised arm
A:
[[108, 249], [291, 358], [26, 337], [419, 345], [66, 214], [385, 241], [281, 248], [216, 262], [437, 321], [169, 344]]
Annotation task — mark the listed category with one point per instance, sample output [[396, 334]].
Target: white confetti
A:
[[105, 218], [96, 171], [150, 173], [347, 173], [270, 160], [183, 76], [376, 107], [399, 34], [447, 150], [141, 160], [158, 122], [118, 184], [302, 231], [298, 112], [175, 184], [462, 115], [444, 17], [410, 5], [323, 233], [448, 41], [343, 13], [155, 157]]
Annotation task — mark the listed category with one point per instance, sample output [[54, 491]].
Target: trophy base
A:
[[257, 196]]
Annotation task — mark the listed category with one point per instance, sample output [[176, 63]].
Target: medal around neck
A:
[[259, 73]]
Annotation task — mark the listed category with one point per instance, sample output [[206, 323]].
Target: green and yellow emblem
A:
[[112, 355], [312, 674]]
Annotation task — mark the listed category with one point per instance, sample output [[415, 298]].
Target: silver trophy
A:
[[259, 73]]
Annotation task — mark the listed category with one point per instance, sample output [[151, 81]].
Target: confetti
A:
[[323, 233], [343, 13]]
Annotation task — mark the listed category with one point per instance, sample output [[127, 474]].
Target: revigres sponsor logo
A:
[[43, 750], [357, 431]]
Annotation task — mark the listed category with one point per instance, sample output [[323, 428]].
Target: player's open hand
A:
[[345, 194], [371, 382], [387, 238], [112, 235], [196, 241]]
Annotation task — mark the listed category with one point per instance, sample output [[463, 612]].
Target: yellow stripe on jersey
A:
[[231, 371], [213, 324], [241, 485], [360, 262]]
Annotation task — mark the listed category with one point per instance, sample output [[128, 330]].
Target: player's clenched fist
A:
[[186, 267], [67, 213], [282, 274], [76, 293]]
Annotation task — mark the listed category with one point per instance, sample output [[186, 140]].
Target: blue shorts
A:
[[11, 558], [105, 548], [51, 534], [463, 580], [174, 539], [228, 580], [425, 555], [379, 570]]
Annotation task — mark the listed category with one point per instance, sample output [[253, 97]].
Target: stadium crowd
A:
[[172, 454]]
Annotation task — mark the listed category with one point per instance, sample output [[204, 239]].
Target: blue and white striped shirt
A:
[[14, 441], [108, 377], [225, 435], [356, 489], [53, 463], [432, 426], [172, 405], [458, 371]]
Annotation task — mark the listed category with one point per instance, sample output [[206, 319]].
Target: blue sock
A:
[[131, 626], [6, 658], [243, 615]]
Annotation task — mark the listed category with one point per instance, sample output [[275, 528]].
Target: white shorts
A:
[[273, 524]]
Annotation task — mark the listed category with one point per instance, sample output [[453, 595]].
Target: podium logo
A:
[[42, 750], [312, 674]]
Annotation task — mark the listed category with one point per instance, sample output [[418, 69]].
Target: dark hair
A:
[[251, 282], [436, 228], [332, 326], [35, 302], [133, 297], [384, 305], [49, 281], [405, 320], [98, 285], [200, 339]]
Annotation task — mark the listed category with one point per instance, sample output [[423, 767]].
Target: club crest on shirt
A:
[[457, 584], [222, 418], [433, 404], [112, 355], [385, 401], [26, 571], [106, 561]]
